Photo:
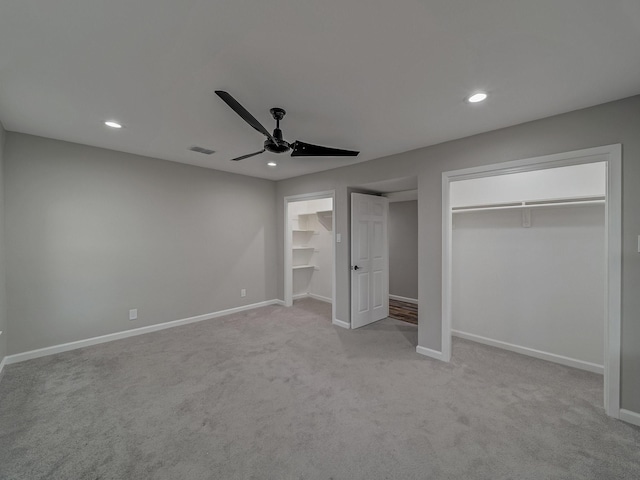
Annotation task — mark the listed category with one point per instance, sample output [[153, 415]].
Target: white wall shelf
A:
[[301, 251], [325, 217]]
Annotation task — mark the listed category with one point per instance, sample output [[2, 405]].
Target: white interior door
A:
[[369, 259]]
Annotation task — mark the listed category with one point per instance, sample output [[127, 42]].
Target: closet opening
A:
[[531, 260], [309, 251]]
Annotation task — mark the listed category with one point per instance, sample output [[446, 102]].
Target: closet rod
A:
[[528, 205]]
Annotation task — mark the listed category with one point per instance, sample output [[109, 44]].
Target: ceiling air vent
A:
[[206, 151]]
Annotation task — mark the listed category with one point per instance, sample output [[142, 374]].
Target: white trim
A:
[[630, 417], [288, 260], [575, 157], [43, 352], [613, 269], [319, 297], [532, 352], [404, 299], [447, 274], [427, 352], [2, 364], [341, 323], [612, 156], [311, 295]]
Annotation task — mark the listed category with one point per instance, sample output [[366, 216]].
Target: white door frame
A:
[[288, 254], [612, 156]]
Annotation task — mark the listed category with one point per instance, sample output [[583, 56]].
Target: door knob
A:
[[355, 268]]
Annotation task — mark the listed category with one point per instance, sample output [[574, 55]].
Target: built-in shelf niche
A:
[[302, 253], [309, 247]]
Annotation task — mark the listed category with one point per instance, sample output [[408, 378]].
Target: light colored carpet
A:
[[280, 393]]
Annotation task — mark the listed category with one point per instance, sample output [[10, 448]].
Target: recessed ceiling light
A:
[[112, 124], [272, 164], [477, 97]]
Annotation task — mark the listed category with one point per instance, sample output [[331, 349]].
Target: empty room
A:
[[319, 240]]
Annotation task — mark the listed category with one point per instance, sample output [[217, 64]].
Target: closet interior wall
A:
[[532, 278]]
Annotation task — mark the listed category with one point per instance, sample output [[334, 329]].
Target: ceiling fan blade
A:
[[247, 156], [243, 112], [302, 149]]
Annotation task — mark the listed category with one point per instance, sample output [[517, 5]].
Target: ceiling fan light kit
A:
[[275, 143]]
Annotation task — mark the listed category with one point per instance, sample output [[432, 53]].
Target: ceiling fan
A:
[[274, 142]]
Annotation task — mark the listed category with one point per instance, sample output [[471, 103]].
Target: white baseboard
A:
[[341, 323], [311, 295], [630, 417], [404, 299], [65, 347], [427, 352], [531, 352], [320, 297]]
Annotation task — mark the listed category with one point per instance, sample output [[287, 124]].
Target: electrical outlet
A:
[[133, 314], [243, 292]]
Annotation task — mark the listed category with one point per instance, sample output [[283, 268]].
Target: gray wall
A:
[[92, 233], [403, 249], [3, 298], [615, 122]]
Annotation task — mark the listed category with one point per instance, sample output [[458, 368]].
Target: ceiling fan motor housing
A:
[[279, 146]]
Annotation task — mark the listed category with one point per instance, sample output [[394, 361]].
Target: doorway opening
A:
[[309, 257], [581, 220], [403, 256]]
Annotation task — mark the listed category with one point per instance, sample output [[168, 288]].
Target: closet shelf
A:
[[325, 217], [302, 248], [300, 267], [303, 231], [536, 204]]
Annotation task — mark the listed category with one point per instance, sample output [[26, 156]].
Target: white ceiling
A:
[[375, 75]]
